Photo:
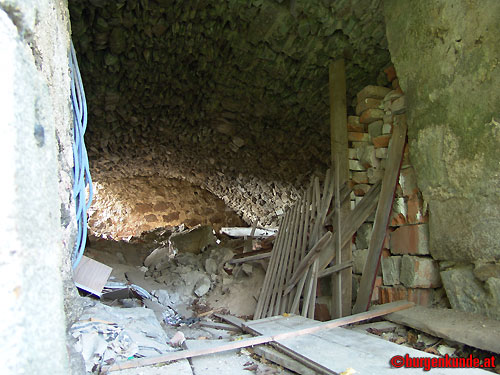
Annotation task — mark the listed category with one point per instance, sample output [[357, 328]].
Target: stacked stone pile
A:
[[407, 270]]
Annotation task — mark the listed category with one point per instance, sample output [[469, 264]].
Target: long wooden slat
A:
[[335, 268], [395, 156], [271, 271], [353, 221], [275, 304], [313, 215], [249, 257], [384, 309], [312, 302], [283, 301], [308, 261], [279, 268], [300, 245]]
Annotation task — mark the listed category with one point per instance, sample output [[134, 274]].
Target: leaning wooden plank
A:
[[216, 325], [312, 302], [385, 309], [300, 246], [395, 155], [352, 222], [270, 272], [280, 308], [307, 261], [235, 321], [341, 281], [276, 289], [471, 329], [336, 268], [284, 360], [244, 231], [249, 257]]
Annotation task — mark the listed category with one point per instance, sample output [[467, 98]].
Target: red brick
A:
[[397, 220], [370, 115], [360, 189], [416, 213], [381, 141], [353, 125], [357, 137], [376, 287], [390, 72], [410, 239], [389, 294]]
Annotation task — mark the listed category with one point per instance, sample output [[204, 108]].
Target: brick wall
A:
[[407, 270]]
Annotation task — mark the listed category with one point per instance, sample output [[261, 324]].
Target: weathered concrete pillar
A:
[[36, 216], [448, 63]]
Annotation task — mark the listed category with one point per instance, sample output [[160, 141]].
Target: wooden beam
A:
[[341, 281], [384, 309], [307, 261], [394, 158], [251, 256], [352, 222], [335, 268]]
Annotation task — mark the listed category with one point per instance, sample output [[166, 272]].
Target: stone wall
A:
[[447, 57], [37, 221], [128, 207], [231, 96], [407, 270]]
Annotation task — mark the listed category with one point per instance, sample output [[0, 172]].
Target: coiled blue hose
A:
[[81, 168]]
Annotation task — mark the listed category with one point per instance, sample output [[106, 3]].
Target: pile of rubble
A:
[[150, 306]]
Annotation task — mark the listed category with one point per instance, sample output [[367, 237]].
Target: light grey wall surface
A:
[[37, 220]]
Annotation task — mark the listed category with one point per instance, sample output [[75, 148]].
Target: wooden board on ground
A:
[[318, 326], [338, 349], [471, 329], [91, 275], [283, 360]]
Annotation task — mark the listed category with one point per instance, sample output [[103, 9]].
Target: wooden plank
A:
[[352, 222], [281, 308], [335, 268], [237, 322], [341, 281], [249, 257], [274, 308], [307, 261], [270, 272], [335, 350], [471, 329], [283, 360], [216, 325], [395, 156], [301, 239], [385, 309]]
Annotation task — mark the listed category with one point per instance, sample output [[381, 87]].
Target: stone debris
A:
[[107, 334]]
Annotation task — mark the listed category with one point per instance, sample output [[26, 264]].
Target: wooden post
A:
[[341, 281]]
